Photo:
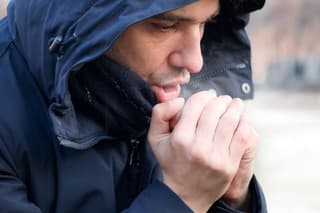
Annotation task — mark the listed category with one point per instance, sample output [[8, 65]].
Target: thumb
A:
[[162, 114]]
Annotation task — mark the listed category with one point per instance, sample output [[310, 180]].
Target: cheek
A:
[[143, 52], [148, 59]]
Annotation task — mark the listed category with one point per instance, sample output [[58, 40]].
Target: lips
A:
[[170, 89], [166, 92]]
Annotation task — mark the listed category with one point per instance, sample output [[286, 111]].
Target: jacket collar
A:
[[109, 102]]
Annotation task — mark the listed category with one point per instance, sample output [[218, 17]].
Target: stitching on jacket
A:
[[128, 98]]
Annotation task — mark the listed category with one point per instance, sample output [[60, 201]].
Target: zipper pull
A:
[[134, 153]]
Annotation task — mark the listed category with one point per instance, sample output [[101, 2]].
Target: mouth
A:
[[166, 92]]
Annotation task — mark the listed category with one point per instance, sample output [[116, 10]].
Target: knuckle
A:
[[179, 141], [225, 98], [218, 165], [201, 96], [227, 173], [238, 104], [178, 146], [219, 106], [224, 167], [198, 155]]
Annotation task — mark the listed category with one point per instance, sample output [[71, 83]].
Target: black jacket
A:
[[58, 156]]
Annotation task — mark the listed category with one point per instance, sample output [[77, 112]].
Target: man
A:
[[90, 118]]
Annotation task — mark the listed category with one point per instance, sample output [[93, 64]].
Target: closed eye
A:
[[164, 27]]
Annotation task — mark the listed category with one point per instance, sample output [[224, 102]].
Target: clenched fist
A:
[[205, 148]]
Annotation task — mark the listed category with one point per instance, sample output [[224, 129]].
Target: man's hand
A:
[[205, 149]]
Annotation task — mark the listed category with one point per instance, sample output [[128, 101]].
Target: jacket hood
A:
[[57, 37]]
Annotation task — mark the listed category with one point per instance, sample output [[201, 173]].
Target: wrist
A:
[[241, 202], [198, 203]]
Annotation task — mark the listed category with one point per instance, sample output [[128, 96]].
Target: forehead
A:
[[199, 11]]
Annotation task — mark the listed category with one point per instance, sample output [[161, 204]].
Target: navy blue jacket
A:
[[59, 152]]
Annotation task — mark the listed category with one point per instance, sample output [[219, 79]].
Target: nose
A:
[[188, 54]]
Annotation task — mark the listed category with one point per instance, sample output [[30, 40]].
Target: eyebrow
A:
[[175, 17]]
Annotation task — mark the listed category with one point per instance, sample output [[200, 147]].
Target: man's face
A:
[[163, 50]]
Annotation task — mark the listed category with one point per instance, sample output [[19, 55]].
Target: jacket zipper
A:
[[134, 169]]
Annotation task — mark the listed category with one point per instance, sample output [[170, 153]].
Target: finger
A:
[[227, 125], [161, 115], [208, 122], [192, 110], [186, 126], [241, 139]]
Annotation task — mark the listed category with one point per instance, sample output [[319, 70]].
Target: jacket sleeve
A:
[[13, 194], [158, 198], [257, 203]]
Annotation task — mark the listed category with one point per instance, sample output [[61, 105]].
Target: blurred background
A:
[[3, 4], [286, 108]]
